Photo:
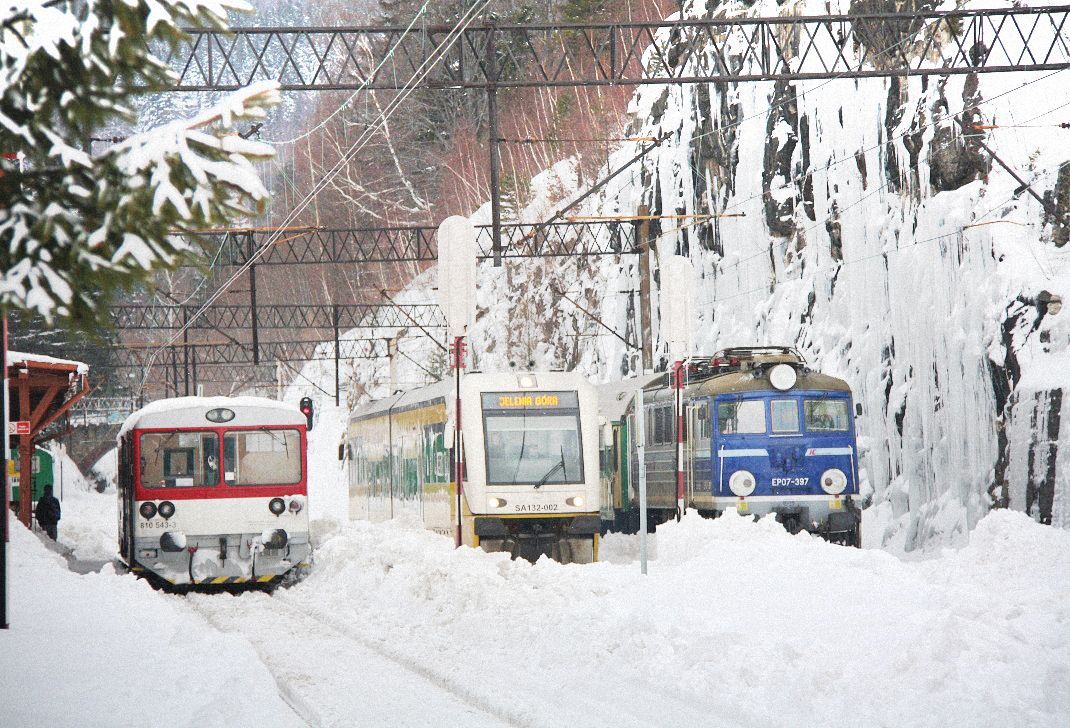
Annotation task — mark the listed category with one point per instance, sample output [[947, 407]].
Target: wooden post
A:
[[643, 241]]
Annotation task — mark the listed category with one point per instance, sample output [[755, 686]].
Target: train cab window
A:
[[741, 417], [784, 415], [826, 415], [179, 459], [262, 457], [533, 448]]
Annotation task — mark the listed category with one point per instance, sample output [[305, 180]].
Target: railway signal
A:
[[457, 298], [307, 410]]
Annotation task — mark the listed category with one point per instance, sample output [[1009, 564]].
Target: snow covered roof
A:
[[398, 401], [191, 411], [20, 358], [615, 397]]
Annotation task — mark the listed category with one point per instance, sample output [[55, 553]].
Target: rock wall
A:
[[883, 240]]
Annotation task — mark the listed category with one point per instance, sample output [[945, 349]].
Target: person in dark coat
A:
[[47, 512]]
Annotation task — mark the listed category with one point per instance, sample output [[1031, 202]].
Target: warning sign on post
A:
[[18, 427]]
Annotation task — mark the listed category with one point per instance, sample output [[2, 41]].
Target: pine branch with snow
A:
[[76, 226]]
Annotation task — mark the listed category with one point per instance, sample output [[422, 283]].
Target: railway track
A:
[[330, 677]]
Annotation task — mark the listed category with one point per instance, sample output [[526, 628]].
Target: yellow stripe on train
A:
[[240, 579]]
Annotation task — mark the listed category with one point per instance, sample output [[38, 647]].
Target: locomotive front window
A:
[[533, 448], [826, 415], [262, 457], [784, 414], [179, 459], [745, 416]]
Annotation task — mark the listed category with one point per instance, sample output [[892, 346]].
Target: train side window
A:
[[741, 417], [784, 415]]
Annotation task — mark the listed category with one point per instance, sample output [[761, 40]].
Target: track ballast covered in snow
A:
[[737, 624], [105, 650]]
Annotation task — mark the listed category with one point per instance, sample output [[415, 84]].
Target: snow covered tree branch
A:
[[76, 227]]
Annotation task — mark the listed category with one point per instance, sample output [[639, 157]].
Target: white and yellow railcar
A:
[[530, 462]]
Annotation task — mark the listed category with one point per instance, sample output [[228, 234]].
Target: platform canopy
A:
[[42, 390]]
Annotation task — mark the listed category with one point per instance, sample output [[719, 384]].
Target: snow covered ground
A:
[[105, 650], [737, 624]]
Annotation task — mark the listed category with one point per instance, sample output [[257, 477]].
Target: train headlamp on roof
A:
[[527, 381], [783, 377], [220, 414]]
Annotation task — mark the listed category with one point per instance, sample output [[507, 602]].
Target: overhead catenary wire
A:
[[803, 93], [547, 140], [424, 69], [835, 162], [794, 97], [861, 259], [358, 144], [363, 86], [657, 141]]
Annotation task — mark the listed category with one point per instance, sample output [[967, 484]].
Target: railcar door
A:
[[661, 459], [740, 446], [697, 452], [126, 501]]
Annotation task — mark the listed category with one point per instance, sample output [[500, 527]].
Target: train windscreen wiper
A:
[[560, 465]]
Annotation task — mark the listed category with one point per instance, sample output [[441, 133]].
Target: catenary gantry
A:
[[722, 49]]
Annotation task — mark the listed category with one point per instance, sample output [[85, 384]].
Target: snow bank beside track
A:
[[737, 624], [104, 650]]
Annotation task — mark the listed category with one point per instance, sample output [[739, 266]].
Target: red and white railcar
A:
[[213, 490]]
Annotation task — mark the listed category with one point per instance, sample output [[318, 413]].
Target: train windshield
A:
[[179, 459], [532, 439], [740, 417], [784, 414], [262, 457], [826, 415]]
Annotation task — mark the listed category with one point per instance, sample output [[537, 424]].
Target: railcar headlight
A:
[[277, 506], [576, 500], [147, 510], [296, 505], [497, 502], [833, 481], [742, 483], [166, 509]]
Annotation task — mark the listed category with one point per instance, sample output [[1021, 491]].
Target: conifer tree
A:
[[77, 225]]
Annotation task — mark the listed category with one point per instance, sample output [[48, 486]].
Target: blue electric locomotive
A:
[[763, 433]]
